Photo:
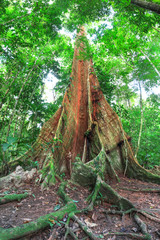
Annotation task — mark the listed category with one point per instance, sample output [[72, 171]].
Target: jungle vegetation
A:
[[124, 45]]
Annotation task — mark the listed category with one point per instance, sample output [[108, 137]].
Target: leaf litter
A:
[[40, 203]]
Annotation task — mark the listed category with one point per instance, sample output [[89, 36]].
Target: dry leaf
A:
[[52, 221], [41, 197], [94, 216], [27, 220], [89, 224]]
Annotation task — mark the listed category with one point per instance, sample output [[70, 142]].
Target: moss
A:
[[99, 163], [12, 197], [83, 174]]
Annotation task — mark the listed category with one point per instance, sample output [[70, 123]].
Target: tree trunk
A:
[[85, 127]]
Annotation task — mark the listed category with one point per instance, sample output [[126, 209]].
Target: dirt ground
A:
[[43, 202]]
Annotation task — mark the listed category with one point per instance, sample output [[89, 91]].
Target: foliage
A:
[[148, 153]]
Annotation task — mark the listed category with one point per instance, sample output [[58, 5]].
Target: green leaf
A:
[[5, 146], [11, 140], [58, 223], [101, 236], [57, 207]]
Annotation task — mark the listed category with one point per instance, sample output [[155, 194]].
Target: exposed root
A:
[[131, 235], [155, 219], [113, 197], [63, 195], [119, 212], [13, 197], [123, 204], [151, 217], [148, 190]]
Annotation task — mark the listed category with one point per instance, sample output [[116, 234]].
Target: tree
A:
[[85, 127]]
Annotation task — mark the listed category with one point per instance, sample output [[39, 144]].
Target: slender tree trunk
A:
[[154, 67], [141, 124]]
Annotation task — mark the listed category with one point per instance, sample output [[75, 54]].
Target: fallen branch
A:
[[13, 197], [141, 224], [84, 227]]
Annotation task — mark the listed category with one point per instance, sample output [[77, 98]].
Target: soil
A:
[[42, 202]]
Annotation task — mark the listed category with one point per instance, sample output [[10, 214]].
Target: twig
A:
[[156, 29]]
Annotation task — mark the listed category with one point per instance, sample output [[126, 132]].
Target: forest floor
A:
[[40, 203]]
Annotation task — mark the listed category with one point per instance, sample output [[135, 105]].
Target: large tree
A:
[[85, 127]]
